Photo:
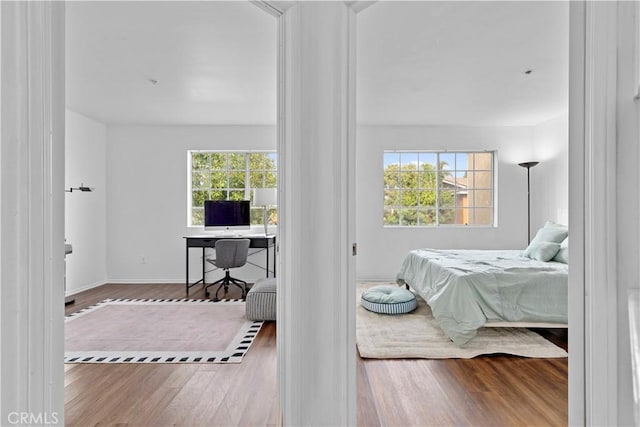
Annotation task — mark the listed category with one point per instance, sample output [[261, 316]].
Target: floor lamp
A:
[[265, 197], [528, 165]]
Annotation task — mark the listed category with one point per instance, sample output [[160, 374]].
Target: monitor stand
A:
[[229, 234]]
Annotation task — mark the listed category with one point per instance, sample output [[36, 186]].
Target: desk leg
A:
[[275, 250], [187, 275], [203, 253], [267, 262]]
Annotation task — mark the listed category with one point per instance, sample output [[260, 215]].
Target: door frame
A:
[[593, 289]]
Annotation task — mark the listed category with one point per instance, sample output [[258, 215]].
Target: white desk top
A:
[[234, 236]]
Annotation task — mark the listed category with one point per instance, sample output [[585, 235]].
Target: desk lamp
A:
[[265, 197]]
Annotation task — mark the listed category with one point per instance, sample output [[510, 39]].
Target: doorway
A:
[[431, 85], [169, 104]]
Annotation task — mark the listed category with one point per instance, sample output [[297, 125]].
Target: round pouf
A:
[[388, 300]]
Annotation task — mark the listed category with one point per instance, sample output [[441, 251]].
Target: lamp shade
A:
[[265, 197], [528, 165]]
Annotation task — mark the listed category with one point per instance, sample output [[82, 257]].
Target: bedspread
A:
[[468, 288]]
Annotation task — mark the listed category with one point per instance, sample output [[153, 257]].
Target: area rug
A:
[[159, 331], [417, 335]]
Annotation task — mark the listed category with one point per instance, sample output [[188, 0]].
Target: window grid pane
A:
[[438, 188], [220, 175]]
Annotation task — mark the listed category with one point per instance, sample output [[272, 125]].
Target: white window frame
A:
[[437, 223], [247, 181]]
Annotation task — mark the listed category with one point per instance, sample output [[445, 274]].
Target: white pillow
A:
[[542, 251], [551, 232], [563, 253]]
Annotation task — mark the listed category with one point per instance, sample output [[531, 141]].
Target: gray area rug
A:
[[417, 335], [159, 331]]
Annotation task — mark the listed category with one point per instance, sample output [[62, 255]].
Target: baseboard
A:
[[157, 281], [377, 279]]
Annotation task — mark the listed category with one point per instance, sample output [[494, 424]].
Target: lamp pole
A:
[[528, 165], [264, 219]]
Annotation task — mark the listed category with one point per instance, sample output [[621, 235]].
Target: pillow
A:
[[542, 251], [551, 232], [551, 224], [563, 253], [388, 300]]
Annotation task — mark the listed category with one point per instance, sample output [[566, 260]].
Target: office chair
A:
[[230, 253]]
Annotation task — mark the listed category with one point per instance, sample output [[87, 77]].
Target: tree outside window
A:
[[226, 175], [438, 188]]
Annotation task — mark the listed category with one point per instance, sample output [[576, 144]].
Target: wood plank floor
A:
[[172, 394], [492, 390], [484, 391]]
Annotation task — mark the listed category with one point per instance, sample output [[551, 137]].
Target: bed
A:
[[470, 289]]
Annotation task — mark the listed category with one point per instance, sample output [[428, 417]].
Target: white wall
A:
[[381, 250], [85, 216], [147, 198], [550, 179], [147, 194]]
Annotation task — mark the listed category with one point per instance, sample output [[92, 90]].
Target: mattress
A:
[[468, 288]]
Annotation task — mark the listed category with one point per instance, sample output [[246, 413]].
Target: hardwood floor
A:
[[490, 390], [484, 391], [172, 394]]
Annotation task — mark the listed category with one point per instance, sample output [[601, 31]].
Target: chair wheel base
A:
[[223, 286]]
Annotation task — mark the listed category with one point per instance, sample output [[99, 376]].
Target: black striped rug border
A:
[[234, 355]]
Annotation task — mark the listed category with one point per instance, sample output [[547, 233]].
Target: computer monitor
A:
[[227, 215]]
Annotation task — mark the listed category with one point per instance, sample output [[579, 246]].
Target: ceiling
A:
[[463, 63], [422, 63], [214, 62]]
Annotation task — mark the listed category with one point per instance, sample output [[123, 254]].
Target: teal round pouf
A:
[[388, 300]]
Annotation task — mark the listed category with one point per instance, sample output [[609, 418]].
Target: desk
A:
[[264, 242]]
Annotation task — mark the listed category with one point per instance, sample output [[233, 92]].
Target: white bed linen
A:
[[468, 288]]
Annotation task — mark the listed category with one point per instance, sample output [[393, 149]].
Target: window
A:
[[226, 175], [429, 188]]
